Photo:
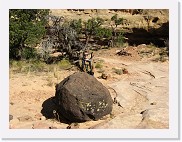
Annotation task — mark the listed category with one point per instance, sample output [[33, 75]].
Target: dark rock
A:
[[11, 103], [155, 19], [81, 97], [105, 76], [10, 117]]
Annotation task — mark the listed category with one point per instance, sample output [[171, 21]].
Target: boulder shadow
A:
[[50, 110]]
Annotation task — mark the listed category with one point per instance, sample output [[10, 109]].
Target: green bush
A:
[[98, 65], [119, 39], [76, 25], [118, 71], [38, 66], [117, 21], [26, 28], [29, 53], [104, 33], [64, 64], [28, 66]]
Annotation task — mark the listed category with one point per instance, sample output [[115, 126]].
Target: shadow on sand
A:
[[50, 110]]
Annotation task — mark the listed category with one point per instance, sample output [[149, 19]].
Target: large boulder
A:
[[81, 97]]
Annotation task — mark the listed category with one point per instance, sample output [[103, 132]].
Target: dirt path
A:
[[141, 97]]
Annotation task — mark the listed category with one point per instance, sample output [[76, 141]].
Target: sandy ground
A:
[[141, 95]]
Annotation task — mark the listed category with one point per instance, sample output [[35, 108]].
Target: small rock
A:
[[153, 103], [43, 118], [52, 127], [105, 76], [11, 103], [125, 71], [68, 127], [73, 126], [10, 117]]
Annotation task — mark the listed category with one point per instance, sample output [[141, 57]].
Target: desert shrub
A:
[[118, 71], [119, 41], [164, 53], [117, 21], [64, 64], [76, 25], [29, 53], [50, 81], [159, 59], [28, 66], [63, 36], [98, 65], [17, 66], [38, 66], [104, 33], [162, 59]]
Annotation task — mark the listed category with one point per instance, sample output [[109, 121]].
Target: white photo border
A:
[[171, 133]]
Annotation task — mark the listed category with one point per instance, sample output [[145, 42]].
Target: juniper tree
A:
[[26, 28], [116, 37]]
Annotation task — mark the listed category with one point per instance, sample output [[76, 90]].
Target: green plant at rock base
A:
[[64, 64], [99, 64], [118, 71]]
